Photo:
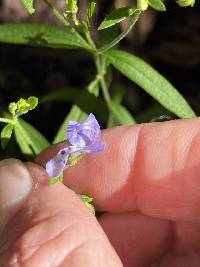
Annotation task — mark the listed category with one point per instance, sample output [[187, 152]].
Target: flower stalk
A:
[[113, 43], [56, 13]]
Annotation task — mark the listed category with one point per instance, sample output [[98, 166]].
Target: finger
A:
[[54, 228], [153, 167], [15, 185], [139, 240], [183, 260], [105, 176], [186, 237]]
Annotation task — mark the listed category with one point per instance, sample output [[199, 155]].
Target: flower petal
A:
[[55, 166], [96, 148], [90, 130], [73, 133], [85, 133]]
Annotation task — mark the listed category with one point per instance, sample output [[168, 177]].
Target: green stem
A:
[[55, 11], [89, 39], [134, 19], [6, 120], [100, 70], [101, 74]]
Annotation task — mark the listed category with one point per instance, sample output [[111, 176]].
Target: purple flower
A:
[[84, 138]]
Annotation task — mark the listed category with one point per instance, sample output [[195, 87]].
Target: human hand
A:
[[147, 185]]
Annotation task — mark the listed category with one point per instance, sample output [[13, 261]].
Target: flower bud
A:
[[12, 108], [72, 6]]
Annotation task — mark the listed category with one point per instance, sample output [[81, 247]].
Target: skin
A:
[[147, 185]]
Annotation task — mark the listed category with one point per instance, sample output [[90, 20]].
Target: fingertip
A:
[[15, 186]]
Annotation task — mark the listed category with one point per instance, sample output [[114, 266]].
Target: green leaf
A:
[[6, 134], [88, 201], [67, 95], [72, 6], [121, 114], [118, 95], [90, 12], [151, 81], [24, 105], [32, 101], [119, 92], [151, 112], [30, 140], [79, 110], [142, 5], [157, 5], [93, 87], [29, 5], [42, 35], [108, 35], [116, 16]]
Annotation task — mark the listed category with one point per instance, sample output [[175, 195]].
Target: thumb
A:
[[15, 186], [53, 228]]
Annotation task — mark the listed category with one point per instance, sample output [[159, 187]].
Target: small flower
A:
[[84, 138]]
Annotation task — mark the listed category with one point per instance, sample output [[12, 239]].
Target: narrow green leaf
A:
[[30, 140], [79, 110], [6, 134], [66, 95], [142, 5], [23, 142], [116, 16], [151, 112], [42, 35], [72, 5], [157, 5], [93, 87], [122, 115], [90, 12], [151, 81], [119, 92], [118, 95], [108, 35], [29, 5]]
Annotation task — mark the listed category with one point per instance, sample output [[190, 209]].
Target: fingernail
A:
[[15, 186]]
